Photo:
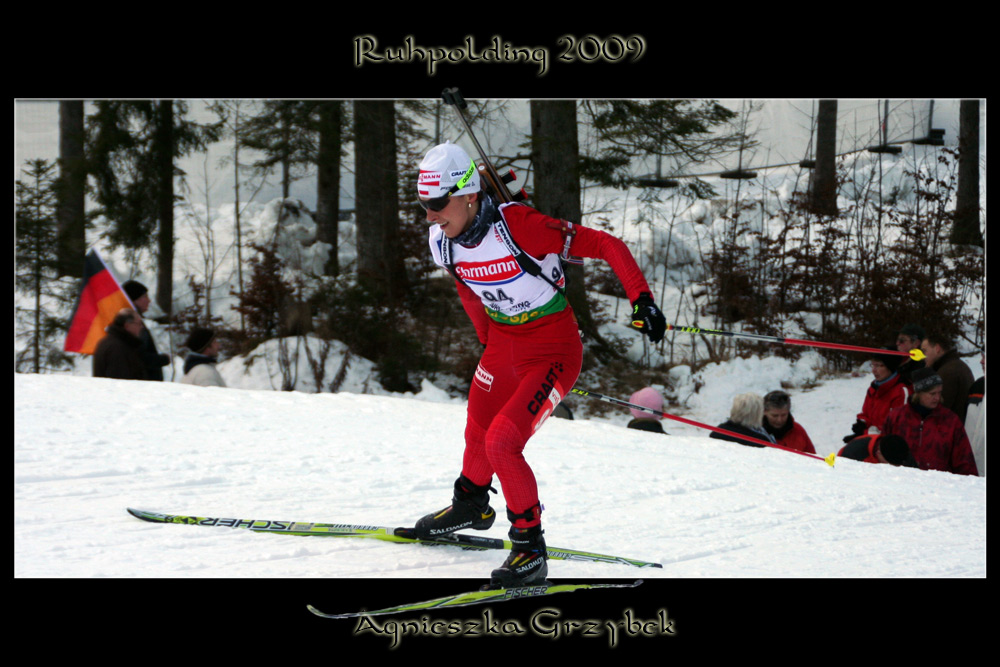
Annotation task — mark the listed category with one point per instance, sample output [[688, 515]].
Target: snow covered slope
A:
[[86, 448]]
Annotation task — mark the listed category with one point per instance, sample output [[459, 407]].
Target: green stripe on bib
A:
[[555, 305]]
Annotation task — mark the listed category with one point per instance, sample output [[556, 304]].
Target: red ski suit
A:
[[527, 368]]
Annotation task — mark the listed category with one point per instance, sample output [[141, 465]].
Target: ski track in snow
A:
[[85, 449]]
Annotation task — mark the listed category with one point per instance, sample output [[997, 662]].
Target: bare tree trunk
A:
[[237, 139], [380, 265], [165, 204], [328, 181], [71, 192], [823, 187], [966, 229]]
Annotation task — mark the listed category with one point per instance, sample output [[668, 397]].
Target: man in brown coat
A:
[[943, 358], [118, 354]]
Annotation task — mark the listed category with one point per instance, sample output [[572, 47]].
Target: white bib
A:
[[490, 269]]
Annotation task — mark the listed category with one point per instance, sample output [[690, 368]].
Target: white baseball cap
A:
[[447, 170]]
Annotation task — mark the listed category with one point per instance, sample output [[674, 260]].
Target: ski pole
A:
[[916, 354], [453, 97], [617, 401]]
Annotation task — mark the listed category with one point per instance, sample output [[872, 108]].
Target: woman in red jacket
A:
[[778, 421], [887, 391], [934, 433], [507, 263]]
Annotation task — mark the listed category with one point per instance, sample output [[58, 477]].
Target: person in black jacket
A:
[[878, 448], [745, 418], [910, 337], [118, 355], [153, 360]]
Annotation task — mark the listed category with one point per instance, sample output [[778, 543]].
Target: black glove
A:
[[647, 318], [857, 430]]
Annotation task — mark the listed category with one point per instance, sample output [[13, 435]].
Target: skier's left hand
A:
[[647, 318]]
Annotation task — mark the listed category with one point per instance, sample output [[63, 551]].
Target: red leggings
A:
[[521, 377]]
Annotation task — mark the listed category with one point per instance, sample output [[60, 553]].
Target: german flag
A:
[[100, 300]]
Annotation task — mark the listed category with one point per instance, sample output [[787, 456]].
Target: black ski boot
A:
[[470, 508], [526, 565]]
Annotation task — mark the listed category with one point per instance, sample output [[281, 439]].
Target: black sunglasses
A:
[[437, 204]]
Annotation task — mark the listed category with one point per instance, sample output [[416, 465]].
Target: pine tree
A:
[[285, 132], [680, 132], [36, 270], [131, 148]]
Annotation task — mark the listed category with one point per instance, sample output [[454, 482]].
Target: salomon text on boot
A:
[[470, 508], [526, 565]]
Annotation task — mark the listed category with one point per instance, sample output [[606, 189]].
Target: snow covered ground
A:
[[86, 448]]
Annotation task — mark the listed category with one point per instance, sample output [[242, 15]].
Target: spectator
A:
[[887, 391], [745, 418], [647, 397], [118, 355], [975, 419], [153, 360], [199, 366], [934, 433], [909, 338], [955, 373], [778, 421], [878, 448]]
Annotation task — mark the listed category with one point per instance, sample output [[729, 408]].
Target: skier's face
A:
[[454, 218]]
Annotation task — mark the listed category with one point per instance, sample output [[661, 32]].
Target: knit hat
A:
[[925, 379], [891, 361], [447, 166], [893, 448], [199, 339], [914, 331], [647, 397], [134, 289]]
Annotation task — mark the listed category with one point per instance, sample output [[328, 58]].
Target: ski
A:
[[399, 535], [477, 597]]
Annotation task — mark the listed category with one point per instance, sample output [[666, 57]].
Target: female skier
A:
[[506, 262]]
